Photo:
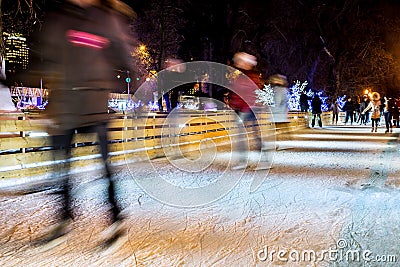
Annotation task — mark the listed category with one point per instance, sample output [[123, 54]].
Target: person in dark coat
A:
[[362, 119], [316, 105], [304, 102], [335, 112], [349, 108], [83, 42]]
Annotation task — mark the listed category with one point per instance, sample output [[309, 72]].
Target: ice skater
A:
[[83, 42], [374, 106], [242, 101]]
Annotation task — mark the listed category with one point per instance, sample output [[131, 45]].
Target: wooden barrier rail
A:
[[25, 148]]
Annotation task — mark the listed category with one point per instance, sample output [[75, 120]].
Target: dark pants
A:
[[335, 117], [362, 119], [63, 142], [375, 122], [349, 114], [388, 120], [318, 115]]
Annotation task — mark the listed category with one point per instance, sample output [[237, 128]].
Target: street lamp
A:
[[128, 81]]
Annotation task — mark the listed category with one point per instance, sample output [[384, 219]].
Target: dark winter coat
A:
[[316, 104], [304, 101], [82, 48], [349, 106]]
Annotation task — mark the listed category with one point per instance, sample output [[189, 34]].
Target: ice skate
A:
[[263, 166], [114, 237], [239, 166], [57, 235]]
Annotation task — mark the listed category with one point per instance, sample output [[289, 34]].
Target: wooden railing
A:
[[25, 148]]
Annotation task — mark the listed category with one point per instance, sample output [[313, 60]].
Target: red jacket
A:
[[243, 95]]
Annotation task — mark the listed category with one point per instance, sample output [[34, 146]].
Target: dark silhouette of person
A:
[[304, 106], [349, 108], [316, 105]]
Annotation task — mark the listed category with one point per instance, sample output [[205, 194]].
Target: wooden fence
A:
[[25, 148]]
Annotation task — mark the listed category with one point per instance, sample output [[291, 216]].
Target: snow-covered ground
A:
[[331, 199]]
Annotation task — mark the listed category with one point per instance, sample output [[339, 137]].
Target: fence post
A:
[[22, 133]]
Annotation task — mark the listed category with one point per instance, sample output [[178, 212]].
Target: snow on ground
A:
[[332, 196]]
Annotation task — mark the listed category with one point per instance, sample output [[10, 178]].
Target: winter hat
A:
[[278, 79], [247, 58], [376, 96]]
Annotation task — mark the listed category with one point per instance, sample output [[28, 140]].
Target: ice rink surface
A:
[[331, 199]]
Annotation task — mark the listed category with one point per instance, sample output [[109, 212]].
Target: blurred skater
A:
[[84, 41], [242, 99], [279, 85]]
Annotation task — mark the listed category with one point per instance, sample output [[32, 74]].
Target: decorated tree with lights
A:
[[341, 101], [294, 95], [265, 95]]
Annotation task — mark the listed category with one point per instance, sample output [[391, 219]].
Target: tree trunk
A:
[[310, 78]]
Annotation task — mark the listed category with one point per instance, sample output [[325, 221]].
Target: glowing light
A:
[[88, 40], [153, 105], [143, 60], [265, 95], [294, 95], [341, 101]]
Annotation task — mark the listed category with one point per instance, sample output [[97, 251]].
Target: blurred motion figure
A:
[[243, 98], [280, 108], [84, 41]]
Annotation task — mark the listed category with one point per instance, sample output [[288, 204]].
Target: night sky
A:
[[337, 46]]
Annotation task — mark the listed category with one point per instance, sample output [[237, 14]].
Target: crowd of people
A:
[[369, 109], [373, 109]]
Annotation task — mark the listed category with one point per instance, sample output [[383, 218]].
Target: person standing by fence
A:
[[316, 104], [349, 108], [304, 102], [335, 112], [374, 105], [84, 41], [387, 112], [362, 119]]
